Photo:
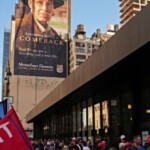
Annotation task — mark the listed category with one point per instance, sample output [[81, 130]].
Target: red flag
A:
[[12, 134]]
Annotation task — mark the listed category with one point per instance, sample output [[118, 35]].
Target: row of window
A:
[[93, 117], [89, 45]]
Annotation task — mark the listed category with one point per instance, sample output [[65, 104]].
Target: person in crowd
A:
[[137, 141], [97, 141], [40, 145], [74, 147], [122, 142], [89, 143], [102, 145], [47, 145], [147, 144], [113, 148], [65, 147], [85, 146], [76, 144]]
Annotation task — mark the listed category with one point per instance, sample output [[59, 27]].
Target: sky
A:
[[92, 14]]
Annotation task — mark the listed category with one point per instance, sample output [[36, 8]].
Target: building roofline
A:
[[128, 39]]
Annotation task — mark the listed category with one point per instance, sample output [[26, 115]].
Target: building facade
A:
[[129, 8], [5, 62], [108, 95], [27, 91], [82, 47], [6, 49]]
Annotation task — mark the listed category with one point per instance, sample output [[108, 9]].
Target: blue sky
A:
[[93, 14]]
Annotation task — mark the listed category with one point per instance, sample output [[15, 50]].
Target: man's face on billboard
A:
[[42, 10]]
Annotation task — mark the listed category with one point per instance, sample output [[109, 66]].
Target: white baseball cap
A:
[[122, 137]]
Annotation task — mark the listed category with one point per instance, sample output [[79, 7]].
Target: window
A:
[[80, 56], [78, 119], [105, 116], [78, 44], [80, 50], [126, 98], [78, 63], [89, 45], [84, 120], [74, 120], [97, 117], [90, 119]]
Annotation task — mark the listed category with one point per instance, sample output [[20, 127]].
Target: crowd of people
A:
[[79, 144]]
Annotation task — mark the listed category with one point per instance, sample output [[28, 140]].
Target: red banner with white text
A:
[[12, 134]]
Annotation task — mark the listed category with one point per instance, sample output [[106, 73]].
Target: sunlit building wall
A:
[[82, 47], [129, 8]]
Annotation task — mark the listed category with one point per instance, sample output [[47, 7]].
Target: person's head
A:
[[102, 145], [122, 138], [65, 147], [148, 139], [128, 145], [113, 148], [137, 140], [42, 10], [74, 147], [84, 143]]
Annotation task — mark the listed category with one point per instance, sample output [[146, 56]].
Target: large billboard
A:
[[41, 38]]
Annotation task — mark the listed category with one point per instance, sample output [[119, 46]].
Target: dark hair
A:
[[84, 143], [136, 136], [75, 147], [113, 148]]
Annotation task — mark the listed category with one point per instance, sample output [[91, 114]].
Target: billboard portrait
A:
[[41, 37]]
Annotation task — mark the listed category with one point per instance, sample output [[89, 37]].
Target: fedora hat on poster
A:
[[57, 3]]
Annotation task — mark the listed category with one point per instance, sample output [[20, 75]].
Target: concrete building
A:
[[5, 62], [108, 95], [129, 8], [6, 49], [82, 47]]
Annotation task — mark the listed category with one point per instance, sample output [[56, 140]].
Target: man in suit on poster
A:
[[36, 40], [36, 21]]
